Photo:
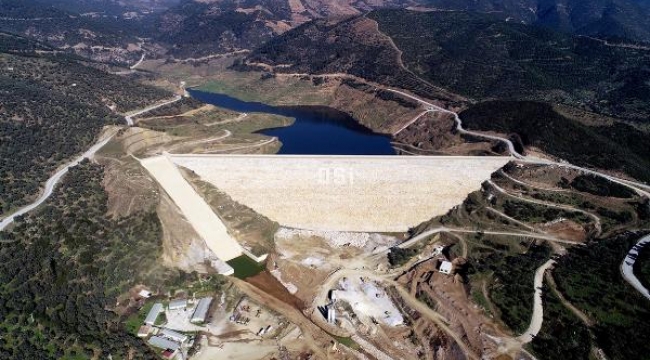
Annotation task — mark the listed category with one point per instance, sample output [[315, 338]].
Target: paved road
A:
[[538, 309], [53, 181], [627, 266], [129, 118]]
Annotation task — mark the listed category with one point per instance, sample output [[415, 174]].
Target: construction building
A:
[[163, 343], [446, 267], [173, 335], [201, 311], [178, 304], [153, 314]]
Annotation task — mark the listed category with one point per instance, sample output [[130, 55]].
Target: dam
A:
[[336, 193]]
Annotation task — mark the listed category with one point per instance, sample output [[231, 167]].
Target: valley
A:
[[319, 181]]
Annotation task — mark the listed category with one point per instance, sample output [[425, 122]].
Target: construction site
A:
[[350, 257]]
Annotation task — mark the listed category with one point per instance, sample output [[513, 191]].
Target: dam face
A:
[[344, 193]]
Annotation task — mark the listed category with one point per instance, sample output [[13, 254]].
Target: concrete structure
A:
[[173, 335], [331, 314], [446, 267], [144, 294], [341, 193], [177, 304], [162, 343], [206, 223], [153, 314], [221, 267], [201, 311], [627, 266]]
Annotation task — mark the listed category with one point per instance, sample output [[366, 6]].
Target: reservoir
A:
[[318, 130]]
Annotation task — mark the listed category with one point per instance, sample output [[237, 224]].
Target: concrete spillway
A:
[[206, 223]]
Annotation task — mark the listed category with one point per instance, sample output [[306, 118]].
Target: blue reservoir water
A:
[[316, 131]]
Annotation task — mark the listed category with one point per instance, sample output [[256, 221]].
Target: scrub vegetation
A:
[[617, 147], [53, 108], [62, 267], [590, 278]]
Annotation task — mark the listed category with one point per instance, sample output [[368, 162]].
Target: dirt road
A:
[[55, 179], [538, 308], [129, 118]]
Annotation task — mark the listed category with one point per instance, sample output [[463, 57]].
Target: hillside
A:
[[206, 27], [483, 57], [600, 18], [53, 108], [471, 54], [352, 46], [618, 147], [98, 34], [200, 28], [62, 267]]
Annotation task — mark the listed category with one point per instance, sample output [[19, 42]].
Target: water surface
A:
[[318, 130]]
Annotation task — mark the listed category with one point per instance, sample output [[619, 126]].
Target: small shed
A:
[[173, 335], [144, 330], [446, 267], [168, 354]]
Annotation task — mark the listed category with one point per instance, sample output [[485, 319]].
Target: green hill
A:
[[53, 108]]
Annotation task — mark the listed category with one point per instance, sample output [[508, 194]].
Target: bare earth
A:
[[345, 193]]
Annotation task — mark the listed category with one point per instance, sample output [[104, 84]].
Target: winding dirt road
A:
[[538, 308], [129, 118], [54, 180], [627, 264]]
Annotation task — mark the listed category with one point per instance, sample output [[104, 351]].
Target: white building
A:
[[201, 311], [173, 335], [446, 267], [178, 304], [161, 342], [153, 314]]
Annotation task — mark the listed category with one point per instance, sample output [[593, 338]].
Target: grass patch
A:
[[136, 320], [245, 267], [347, 341]]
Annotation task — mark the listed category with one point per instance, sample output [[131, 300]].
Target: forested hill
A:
[[472, 54], [483, 57], [601, 18], [95, 35], [352, 46], [53, 108], [62, 267]]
